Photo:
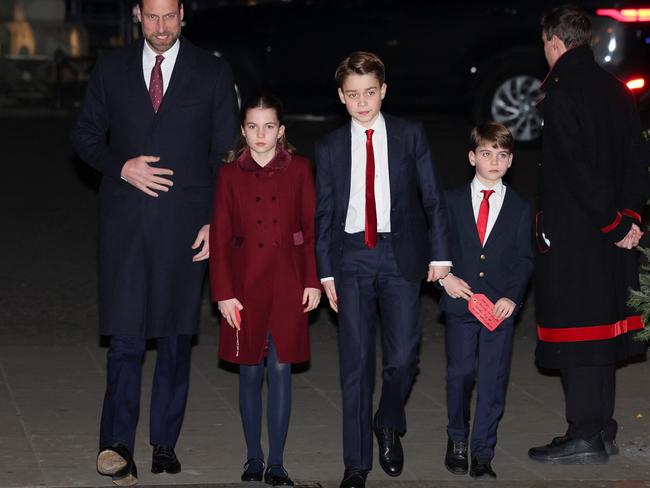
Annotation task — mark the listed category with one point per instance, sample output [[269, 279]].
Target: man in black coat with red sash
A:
[[594, 183]]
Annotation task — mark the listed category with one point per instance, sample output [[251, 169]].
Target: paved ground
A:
[[52, 362]]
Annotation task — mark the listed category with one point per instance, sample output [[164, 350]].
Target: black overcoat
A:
[[148, 284], [594, 182]]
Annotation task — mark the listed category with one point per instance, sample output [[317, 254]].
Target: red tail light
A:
[[635, 84], [626, 14]]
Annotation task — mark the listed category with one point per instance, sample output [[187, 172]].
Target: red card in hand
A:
[[482, 308], [237, 317]]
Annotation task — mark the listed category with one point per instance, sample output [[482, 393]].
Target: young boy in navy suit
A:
[[491, 250], [381, 228]]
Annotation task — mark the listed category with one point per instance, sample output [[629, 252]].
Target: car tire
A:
[[509, 95]]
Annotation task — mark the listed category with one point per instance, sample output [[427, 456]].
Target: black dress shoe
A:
[[276, 475], [565, 450], [391, 455], [354, 478], [164, 460], [253, 470], [481, 470], [456, 457], [611, 448]]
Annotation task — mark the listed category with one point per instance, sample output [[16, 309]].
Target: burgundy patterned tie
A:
[[156, 84], [371, 208]]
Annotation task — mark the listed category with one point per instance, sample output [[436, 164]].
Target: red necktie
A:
[[483, 212], [371, 210], [156, 84]]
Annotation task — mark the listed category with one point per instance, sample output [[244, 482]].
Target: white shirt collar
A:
[[149, 55], [379, 126], [476, 186]]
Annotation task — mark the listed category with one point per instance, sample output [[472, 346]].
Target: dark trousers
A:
[[370, 278], [474, 354], [590, 393], [278, 405], [168, 395]]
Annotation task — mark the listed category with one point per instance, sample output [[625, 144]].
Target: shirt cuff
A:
[[327, 278], [440, 263]]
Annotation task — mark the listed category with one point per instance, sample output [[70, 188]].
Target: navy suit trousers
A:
[[370, 279], [476, 354], [168, 395]]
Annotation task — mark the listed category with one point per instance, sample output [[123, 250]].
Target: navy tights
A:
[[278, 408]]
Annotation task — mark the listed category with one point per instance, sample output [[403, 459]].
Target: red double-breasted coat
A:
[[262, 253]]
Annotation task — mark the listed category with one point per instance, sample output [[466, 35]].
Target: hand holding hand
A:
[[227, 309], [311, 298], [437, 272], [503, 308], [146, 178], [455, 287], [203, 237], [330, 291]]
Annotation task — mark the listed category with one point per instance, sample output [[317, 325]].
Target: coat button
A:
[[481, 274], [257, 175], [483, 257], [259, 221], [275, 221], [261, 244], [257, 199], [273, 198]]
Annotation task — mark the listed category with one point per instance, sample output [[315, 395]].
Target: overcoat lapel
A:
[[395, 155], [135, 81], [179, 78]]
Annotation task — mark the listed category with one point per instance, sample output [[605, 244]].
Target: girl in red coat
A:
[[263, 275]]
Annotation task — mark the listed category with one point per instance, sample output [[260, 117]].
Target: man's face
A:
[[362, 96], [161, 23]]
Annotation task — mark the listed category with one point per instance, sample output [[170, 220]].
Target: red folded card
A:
[[237, 317], [483, 309]]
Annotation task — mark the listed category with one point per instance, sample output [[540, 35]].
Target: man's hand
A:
[[330, 291], [437, 272], [202, 237], [455, 287], [146, 178], [503, 308], [631, 240], [311, 298], [227, 309]]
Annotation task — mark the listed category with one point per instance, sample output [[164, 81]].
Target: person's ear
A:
[[138, 13], [382, 90], [280, 132], [472, 158], [342, 96]]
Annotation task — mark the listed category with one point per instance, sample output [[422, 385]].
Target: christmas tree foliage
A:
[[640, 299]]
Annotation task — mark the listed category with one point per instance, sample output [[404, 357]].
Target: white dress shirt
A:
[[167, 66], [496, 202], [356, 217]]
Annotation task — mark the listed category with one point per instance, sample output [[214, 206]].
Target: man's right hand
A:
[[146, 178], [330, 291]]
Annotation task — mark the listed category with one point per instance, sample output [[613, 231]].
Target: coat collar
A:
[[574, 58], [281, 160]]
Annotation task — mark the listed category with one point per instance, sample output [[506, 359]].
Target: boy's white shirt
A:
[[496, 202]]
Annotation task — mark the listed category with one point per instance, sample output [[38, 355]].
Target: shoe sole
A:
[[128, 480], [158, 470], [459, 473], [109, 462], [577, 459]]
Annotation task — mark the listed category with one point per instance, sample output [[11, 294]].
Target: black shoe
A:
[[253, 470], [391, 455], [611, 448], [565, 450], [481, 470], [117, 462], [164, 460], [354, 478], [456, 457], [276, 475]]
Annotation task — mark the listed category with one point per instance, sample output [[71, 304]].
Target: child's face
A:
[[362, 96], [262, 130], [491, 162]]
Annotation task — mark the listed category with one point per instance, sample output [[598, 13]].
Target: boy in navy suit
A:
[[491, 250], [381, 228]]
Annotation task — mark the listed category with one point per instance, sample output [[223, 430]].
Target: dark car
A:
[[485, 58]]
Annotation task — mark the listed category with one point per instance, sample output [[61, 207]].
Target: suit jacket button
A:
[[257, 199], [273, 198], [259, 221], [481, 274], [483, 257], [261, 244]]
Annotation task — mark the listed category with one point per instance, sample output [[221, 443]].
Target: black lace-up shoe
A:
[[164, 460], [391, 455], [456, 457]]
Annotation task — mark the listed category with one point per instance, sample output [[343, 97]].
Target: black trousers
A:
[[590, 393]]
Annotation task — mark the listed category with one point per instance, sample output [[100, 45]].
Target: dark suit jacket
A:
[[148, 283], [418, 219], [506, 259]]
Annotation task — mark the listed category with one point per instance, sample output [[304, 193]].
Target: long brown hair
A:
[[259, 101]]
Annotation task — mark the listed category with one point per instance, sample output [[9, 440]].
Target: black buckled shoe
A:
[[354, 478], [391, 455], [565, 450], [253, 470], [456, 460], [481, 470], [164, 460], [276, 475]]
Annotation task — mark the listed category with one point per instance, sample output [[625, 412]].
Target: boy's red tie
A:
[[371, 209], [483, 212], [156, 84]]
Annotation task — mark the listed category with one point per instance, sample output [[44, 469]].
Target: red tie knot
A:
[[369, 134], [487, 194], [159, 59]]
